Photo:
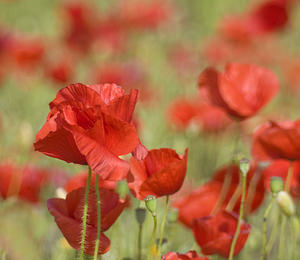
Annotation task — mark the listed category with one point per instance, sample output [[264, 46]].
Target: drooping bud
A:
[[276, 184], [122, 189], [140, 215], [172, 215], [285, 203], [244, 166], [150, 202]]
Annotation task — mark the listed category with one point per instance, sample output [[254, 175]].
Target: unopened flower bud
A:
[[244, 166], [122, 189], [172, 215], [140, 215], [285, 203], [150, 202], [276, 184]]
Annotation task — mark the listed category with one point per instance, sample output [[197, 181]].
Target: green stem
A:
[[97, 243], [263, 251], [85, 211], [162, 227], [140, 242], [281, 238], [294, 227], [240, 217], [289, 177], [152, 241]]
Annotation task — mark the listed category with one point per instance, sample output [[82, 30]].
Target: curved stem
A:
[[289, 177], [244, 178], [152, 237], [263, 251], [162, 227], [140, 242], [97, 243], [85, 211]]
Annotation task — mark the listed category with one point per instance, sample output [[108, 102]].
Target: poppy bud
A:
[[122, 189], [285, 203], [244, 166], [172, 215], [276, 184], [150, 201], [140, 215]]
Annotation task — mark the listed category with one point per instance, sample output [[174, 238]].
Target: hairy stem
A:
[[85, 211], [97, 243]]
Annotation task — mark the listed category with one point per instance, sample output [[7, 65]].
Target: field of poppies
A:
[[149, 130]]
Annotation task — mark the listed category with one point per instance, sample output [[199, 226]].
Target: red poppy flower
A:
[[184, 113], [209, 195], [254, 186], [277, 140], [24, 183], [242, 90], [191, 255], [280, 169], [160, 173], [68, 216], [90, 124], [214, 234]]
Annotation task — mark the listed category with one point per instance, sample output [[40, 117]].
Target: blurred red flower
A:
[[90, 124], [265, 18], [160, 173], [127, 75], [255, 190], [277, 140], [280, 169], [242, 90], [81, 23], [216, 194], [207, 196], [68, 216], [192, 113], [191, 255], [144, 15], [60, 72], [22, 182], [27, 53], [214, 234]]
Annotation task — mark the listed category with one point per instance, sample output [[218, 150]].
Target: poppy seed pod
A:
[[276, 184], [140, 215], [285, 203], [150, 202], [244, 166]]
